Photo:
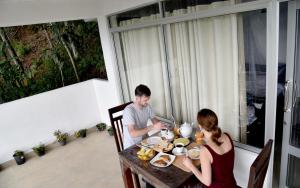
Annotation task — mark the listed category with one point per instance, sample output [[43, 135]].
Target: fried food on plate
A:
[[165, 158], [160, 162], [164, 146]]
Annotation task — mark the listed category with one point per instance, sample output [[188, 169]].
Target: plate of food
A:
[[158, 144], [194, 153], [162, 160], [151, 141], [184, 141], [164, 146]]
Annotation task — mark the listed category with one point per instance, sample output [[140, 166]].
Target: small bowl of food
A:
[[194, 153]]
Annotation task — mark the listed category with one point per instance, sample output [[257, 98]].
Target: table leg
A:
[[136, 180], [127, 175]]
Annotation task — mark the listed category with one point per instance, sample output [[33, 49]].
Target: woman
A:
[[217, 155]]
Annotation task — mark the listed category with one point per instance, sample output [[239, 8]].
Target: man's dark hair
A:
[[141, 90]]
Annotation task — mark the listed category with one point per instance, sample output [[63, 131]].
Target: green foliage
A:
[[21, 49], [11, 82], [18, 153], [44, 68], [77, 134], [2, 45], [40, 77], [110, 131], [80, 133], [60, 136], [39, 149], [47, 76], [101, 126]]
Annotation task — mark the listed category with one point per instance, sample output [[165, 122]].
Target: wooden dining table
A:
[[167, 177]]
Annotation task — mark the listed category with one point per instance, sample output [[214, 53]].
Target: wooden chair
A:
[[259, 167], [117, 125]]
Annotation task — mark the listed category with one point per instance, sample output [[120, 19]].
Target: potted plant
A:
[[81, 133], [19, 157], [101, 126], [110, 131], [39, 150], [61, 137]]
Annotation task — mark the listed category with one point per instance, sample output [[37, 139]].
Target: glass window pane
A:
[[295, 125], [252, 28], [139, 15], [293, 180], [220, 63], [144, 61]]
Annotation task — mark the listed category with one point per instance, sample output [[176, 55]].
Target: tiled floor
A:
[[83, 163]]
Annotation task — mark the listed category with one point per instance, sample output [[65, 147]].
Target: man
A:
[[136, 116]]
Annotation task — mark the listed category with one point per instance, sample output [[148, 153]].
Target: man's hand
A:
[[158, 126]]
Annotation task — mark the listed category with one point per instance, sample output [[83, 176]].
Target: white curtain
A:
[[143, 55], [203, 58], [242, 83]]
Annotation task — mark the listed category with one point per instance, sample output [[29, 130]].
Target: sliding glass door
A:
[[290, 165]]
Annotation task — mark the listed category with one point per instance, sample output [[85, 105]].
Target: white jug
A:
[[170, 135], [186, 130]]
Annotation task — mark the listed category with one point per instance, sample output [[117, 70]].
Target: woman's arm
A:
[[205, 175]]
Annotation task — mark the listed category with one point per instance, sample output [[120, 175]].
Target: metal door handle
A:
[[295, 94], [286, 96]]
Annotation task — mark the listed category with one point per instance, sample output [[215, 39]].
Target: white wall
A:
[[105, 99], [26, 122]]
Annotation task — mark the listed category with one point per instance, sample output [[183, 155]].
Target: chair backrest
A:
[[117, 125], [259, 167]]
